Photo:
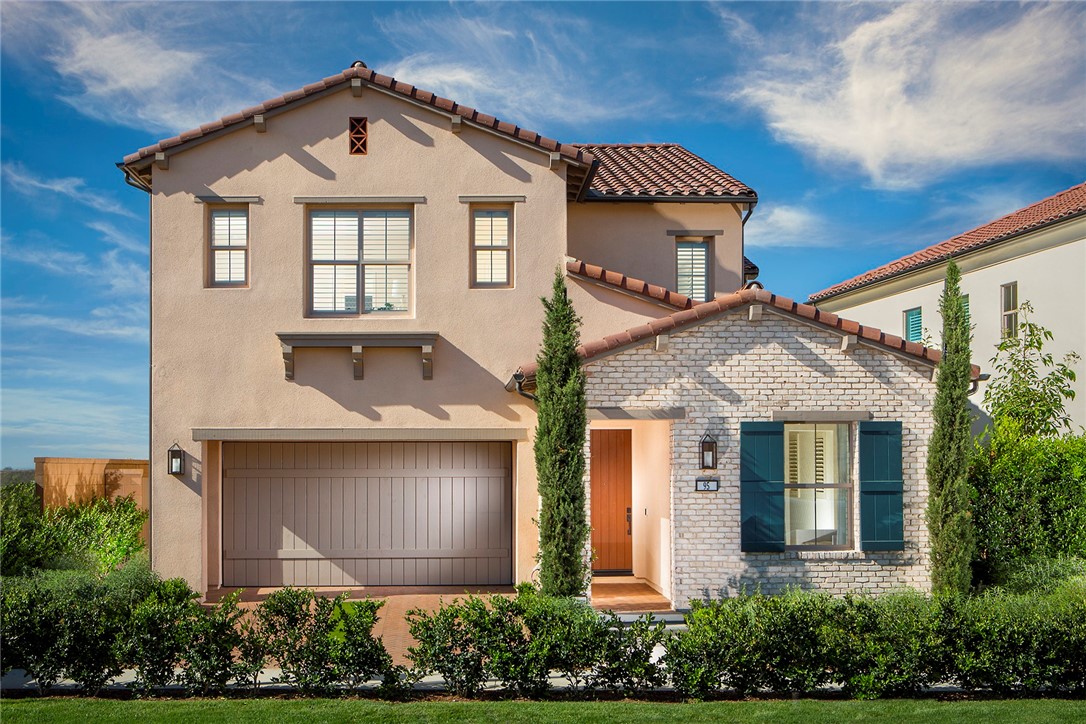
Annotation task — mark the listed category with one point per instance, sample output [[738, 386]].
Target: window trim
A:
[[1005, 329], [905, 324], [707, 243], [510, 265], [359, 264], [850, 488], [210, 248]]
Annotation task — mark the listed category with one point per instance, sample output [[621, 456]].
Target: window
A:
[[491, 248], [1008, 294], [914, 325], [358, 136], [816, 485], [965, 304], [229, 246], [795, 486], [359, 253], [692, 259]]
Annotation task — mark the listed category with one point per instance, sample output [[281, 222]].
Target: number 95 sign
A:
[[707, 485]]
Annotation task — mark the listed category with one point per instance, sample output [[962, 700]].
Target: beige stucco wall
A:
[[730, 370], [1050, 268], [632, 238], [216, 362]]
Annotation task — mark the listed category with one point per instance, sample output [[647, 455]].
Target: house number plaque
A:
[[710, 485]]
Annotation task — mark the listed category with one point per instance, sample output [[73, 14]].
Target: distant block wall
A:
[[65, 480]]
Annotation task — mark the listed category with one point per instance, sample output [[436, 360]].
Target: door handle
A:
[[629, 521]]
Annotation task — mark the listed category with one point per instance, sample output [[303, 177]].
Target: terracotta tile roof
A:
[[1059, 207], [750, 269], [629, 284], [658, 169], [703, 312], [571, 152], [598, 274]]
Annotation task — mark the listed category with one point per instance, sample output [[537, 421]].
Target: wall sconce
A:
[[708, 452], [175, 459]]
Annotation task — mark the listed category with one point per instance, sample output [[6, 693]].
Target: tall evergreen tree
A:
[[950, 522], [559, 448]]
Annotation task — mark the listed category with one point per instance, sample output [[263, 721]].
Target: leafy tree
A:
[[1028, 386], [950, 522], [559, 449]]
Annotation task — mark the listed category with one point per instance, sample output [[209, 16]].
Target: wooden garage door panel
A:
[[341, 514]]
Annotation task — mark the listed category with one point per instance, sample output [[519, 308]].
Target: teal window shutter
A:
[[914, 325], [881, 515], [761, 485]]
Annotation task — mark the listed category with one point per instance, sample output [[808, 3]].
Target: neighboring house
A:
[[1036, 254], [345, 313]]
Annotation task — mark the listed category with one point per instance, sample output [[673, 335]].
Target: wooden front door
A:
[[612, 501]]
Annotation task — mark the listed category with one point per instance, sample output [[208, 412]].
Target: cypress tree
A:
[[559, 448], [950, 522]]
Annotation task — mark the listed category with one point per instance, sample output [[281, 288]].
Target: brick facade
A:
[[729, 370]]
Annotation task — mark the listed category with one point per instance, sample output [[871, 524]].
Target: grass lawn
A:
[[323, 710]]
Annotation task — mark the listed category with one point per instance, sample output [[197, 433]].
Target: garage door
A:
[[367, 514]]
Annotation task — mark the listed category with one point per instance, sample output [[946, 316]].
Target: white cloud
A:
[[152, 66], [923, 89], [103, 327], [118, 238], [121, 276], [787, 225], [71, 423], [26, 183], [532, 69]]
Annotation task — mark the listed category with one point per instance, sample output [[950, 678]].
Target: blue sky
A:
[[868, 130]]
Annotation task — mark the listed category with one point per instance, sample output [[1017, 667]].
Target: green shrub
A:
[[210, 640], [625, 659], [890, 645], [449, 644], [105, 532], [358, 656], [296, 626], [156, 634], [29, 621], [1039, 575], [26, 542], [1030, 498], [1011, 644]]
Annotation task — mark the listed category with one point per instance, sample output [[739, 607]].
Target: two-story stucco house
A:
[[345, 318], [1035, 254]]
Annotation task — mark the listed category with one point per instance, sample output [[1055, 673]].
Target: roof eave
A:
[[676, 199]]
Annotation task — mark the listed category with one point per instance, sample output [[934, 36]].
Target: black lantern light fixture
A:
[[175, 459], [708, 452]]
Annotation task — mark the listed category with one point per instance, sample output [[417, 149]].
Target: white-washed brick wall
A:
[[730, 370]]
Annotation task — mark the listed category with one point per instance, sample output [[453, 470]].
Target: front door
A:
[[612, 501]]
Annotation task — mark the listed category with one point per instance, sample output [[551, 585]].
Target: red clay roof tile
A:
[[725, 303], [658, 169], [1061, 206]]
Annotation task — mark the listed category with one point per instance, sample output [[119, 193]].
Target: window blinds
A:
[[229, 242], [692, 258], [491, 244]]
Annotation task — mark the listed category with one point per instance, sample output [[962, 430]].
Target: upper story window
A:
[[692, 263], [965, 305], [914, 325], [816, 485], [359, 255], [228, 239], [1008, 296], [491, 248]]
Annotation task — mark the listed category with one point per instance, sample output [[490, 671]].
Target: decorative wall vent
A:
[[359, 136]]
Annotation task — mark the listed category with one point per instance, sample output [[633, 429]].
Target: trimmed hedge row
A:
[[88, 629]]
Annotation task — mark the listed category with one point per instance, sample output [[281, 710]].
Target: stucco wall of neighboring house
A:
[[632, 238], [729, 370], [216, 362], [1050, 268]]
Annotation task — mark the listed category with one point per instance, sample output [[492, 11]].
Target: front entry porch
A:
[[630, 501]]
